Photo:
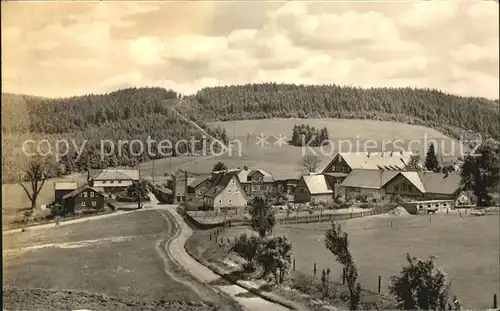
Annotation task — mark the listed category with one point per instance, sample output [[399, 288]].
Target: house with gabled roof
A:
[[225, 191], [255, 181], [420, 185], [82, 199], [112, 180], [314, 187]]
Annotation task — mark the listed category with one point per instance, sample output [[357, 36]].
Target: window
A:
[[92, 194], [94, 203], [236, 190], [220, 201], [403, 187], [83, 203], [85, 194], [103, 181], [229, 190], [112, 181], [301, 190], [119, 181], [396, 188], [232, 181], [230, 201]]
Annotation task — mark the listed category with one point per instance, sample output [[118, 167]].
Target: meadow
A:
[[115, 256], [466, 249]]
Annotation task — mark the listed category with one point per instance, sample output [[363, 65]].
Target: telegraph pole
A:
[[153, 171], [185, 188]]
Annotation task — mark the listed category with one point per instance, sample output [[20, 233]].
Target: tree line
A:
[[450, 114]]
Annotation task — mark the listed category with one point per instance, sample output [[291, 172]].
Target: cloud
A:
[[104, 46]]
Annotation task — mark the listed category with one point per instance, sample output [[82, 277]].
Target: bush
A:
[[247, 246], [345, 205], [364, 205]]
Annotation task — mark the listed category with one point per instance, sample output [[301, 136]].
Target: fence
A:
[[315, 274], [289, 219]]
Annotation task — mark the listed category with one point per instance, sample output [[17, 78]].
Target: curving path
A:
[[178, 253]]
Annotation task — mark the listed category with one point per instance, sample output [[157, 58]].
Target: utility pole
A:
[[153, 171], [185, 188]]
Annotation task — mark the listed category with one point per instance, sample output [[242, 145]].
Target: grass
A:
[[284, 161], [466, 248], [129, 268]]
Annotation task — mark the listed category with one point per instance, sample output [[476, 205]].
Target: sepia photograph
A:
[[250, 155]]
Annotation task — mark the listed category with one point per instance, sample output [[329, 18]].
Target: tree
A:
[[481, 171], [337, 243], [413, 164], [219, 166], [420, 286], [431, 160], [310, 162], [247, 246], [36, 172], [275, 256], [262, 216]]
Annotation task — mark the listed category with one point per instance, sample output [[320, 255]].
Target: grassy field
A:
[[284, 161], [467, 250], [115, 256]]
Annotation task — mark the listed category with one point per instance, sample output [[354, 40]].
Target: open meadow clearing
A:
[[466, 249], [346, 135], [116, 256]]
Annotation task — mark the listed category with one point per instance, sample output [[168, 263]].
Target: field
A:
[[466, 248], [116, 256], [283, 162]]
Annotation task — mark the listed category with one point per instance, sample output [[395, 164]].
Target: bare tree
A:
[[310, 162], [37, 171]]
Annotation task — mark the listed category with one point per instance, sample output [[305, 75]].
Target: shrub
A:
[[275, 256], [364, 205], [247, 246], [421, 286], [345, 205]]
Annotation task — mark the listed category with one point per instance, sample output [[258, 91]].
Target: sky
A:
[[72, 48]]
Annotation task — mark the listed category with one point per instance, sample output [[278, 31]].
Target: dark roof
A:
[[440, 182], [199, 181], [220, 183], [80, 190], [360, 178]]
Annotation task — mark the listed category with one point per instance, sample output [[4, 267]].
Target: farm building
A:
[[365, 183], [426, 185], [313, 187], [286, 185], [225, 191], [422, 207], [63, 188], [413, 185], [83, 199], [112, 180]]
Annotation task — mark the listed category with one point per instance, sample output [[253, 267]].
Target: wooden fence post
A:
[[494, 301], [314, 269], [343, 276], [379, 283], [293, 266]]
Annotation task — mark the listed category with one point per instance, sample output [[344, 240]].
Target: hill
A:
[[450, 114], [124, 115]]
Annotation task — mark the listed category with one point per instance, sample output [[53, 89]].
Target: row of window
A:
[[84, 194], [111, 181], [404, 188], [94, 203]]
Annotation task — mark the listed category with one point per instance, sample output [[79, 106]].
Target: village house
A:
[[83, 199], [255, 181], [112, 180], [313, 188], [63, 188], [225, 191]]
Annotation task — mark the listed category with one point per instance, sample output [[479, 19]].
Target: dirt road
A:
[[178, 253]]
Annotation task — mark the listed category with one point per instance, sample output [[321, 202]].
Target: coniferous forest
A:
[[139, 113]]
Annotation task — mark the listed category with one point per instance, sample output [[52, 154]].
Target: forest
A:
[[139, 113], [450, 114], [126, 115]]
